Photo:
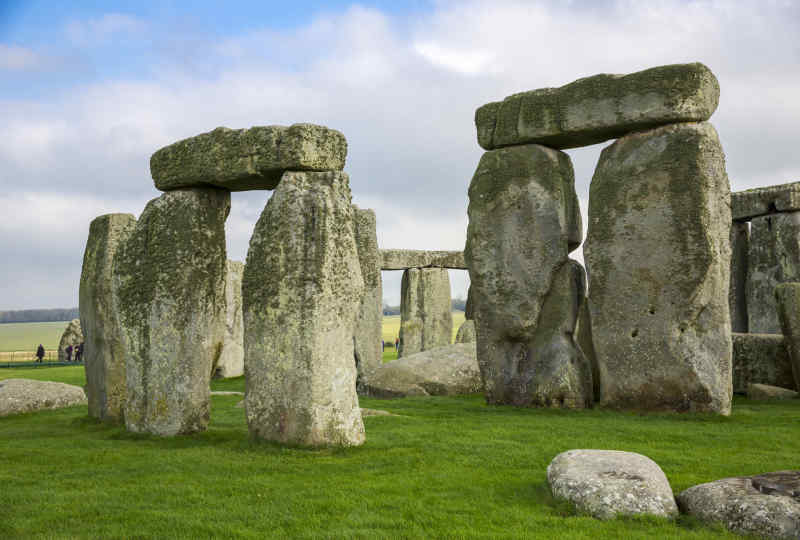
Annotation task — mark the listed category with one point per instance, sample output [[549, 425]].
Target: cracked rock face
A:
[[608, 483], [523, 216], [426, 320], [302, 289], [658, 258]]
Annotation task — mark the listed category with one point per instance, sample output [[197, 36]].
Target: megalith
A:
[[523, 221], [103, 352], [368, 325], [788, 299], [657, 255], [71, 337], [737, 296], [231, 360], [426, 320], [301, 292], [466, 332], [169, 292]]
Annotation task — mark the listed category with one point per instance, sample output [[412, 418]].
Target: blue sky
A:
[[89, 90]]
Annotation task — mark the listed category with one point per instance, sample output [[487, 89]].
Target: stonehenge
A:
[[230, 362], [71, 338], [425, 318], [368, 325]]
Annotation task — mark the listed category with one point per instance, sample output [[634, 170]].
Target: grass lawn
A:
[[27, 336], [447, 467]]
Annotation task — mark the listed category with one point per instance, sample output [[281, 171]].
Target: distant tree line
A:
[[456, 304], [39, 315]]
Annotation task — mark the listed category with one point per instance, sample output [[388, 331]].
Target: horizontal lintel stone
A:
[[401, 259], [751, 203]]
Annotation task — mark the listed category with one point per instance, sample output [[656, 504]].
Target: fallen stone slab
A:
[[766, 505], [445, 371], [245, 159], [750, 203], [765, 391], [762, 359], [19, 396], [401, 259], [226, 393], [608, 483], [598, 108], [376, 412]]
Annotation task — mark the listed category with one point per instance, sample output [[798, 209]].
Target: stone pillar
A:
[[301, 291], [368, 330], [71, 337], [788, 299], [231, 360], [426, 320], [658, 258], [737, 298], [469, 308], [523, 220], [103, 352], [169, 292], [773, 258]]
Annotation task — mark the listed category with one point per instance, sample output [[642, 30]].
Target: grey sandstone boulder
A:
[[71, 337], [19, 396], [244, 159], [231, 359], [103, 353], [368, 325], [751, 203], [737, 295], [466, 332], [598, 108], [773, 258], [426, 321], [657, 255], [788, 296], [469, 308], [302, 290], [609, 483], [523, 216], [169, 292], [765, 391], [763, 359], [400, 259], [444, 371], [766, 505]]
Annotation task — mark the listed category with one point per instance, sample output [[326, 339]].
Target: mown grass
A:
[[28, 336], [444, 468]]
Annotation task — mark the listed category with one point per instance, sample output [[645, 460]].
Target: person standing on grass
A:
[[383, 345], [397, 344], [68, 350], [79, 352], [39, 353]]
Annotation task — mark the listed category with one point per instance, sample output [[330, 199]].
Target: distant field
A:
[[27, 336]]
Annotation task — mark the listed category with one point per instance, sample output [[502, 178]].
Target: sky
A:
[[90, 89]]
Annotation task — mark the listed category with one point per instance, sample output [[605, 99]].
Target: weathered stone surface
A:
[[244, 159], [765, 391], [657, 255], [400, 259], [469, 308], [19, 396], [788, 297], [526, 292], [598, 108], [773, 258], [169, 292], [369, 322], [751, 203], [766, 505], [231, 360], [608, 483], [444, 371], [761, 358], [737, 295], [466, 332], [303, 278], [72, 337], [103, 352], [583, 339], [426, 321]]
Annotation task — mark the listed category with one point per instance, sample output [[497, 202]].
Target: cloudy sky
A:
[[89, 90]]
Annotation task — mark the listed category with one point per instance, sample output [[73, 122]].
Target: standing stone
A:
[[737, 297], [369, 323], [774, 258], [657, 254], [169, 292], [522, 213], [763, 359], [72, 336], [302, 290], [788, 297], [231, 359], [466, 332], [103, 351], [469, 308], [426, 319]]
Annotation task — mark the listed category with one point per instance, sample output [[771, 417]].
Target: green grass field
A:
[[27, 336]]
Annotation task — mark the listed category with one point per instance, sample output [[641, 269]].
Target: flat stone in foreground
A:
[[608, 483], [245, 159], [766, 505], [751, 203], [599, 108], [400, 259], [19, 396], [762, 359], [765, 391]]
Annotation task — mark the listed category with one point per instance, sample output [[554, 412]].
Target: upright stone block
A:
[[658, 258], [302, 290], [788, 297], [761, 359], [426, 319], [773, 258], [71, 337], [737, 297], [231, 360], [369, 323], [526, 293], [169, 292], [103, 351]]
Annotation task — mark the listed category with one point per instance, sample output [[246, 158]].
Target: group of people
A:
[[396, 344], [78, 350]]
